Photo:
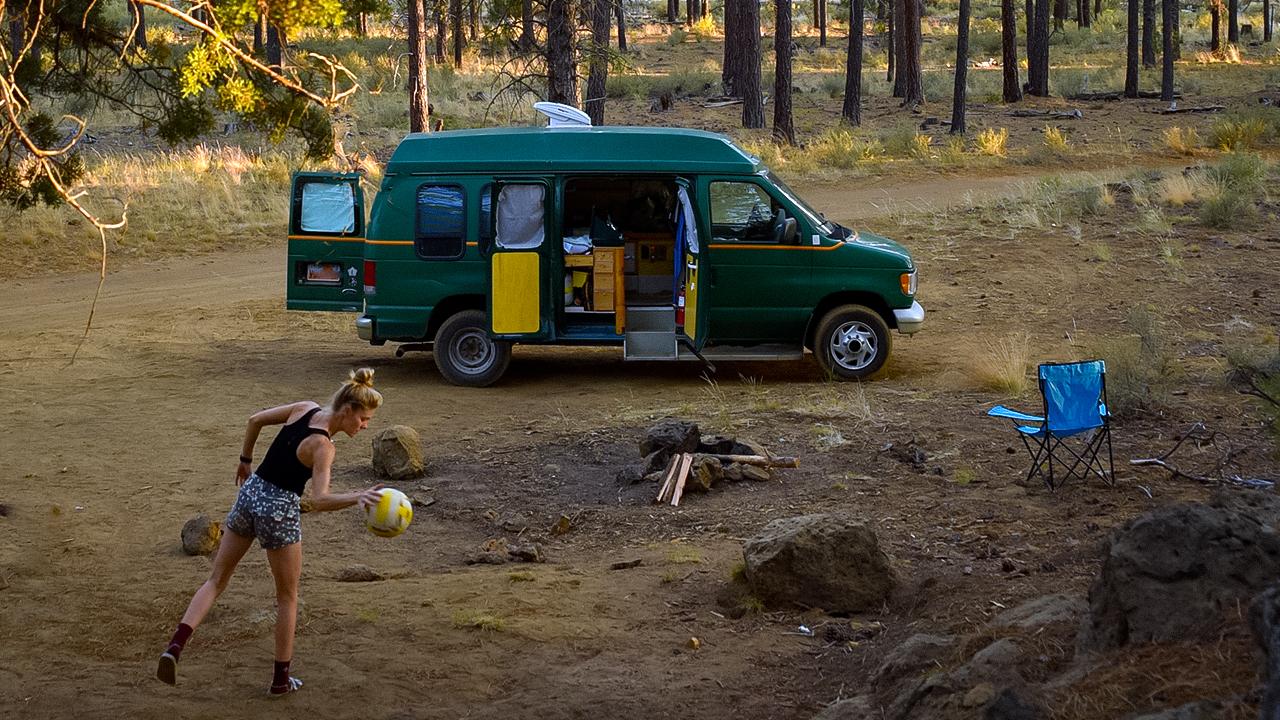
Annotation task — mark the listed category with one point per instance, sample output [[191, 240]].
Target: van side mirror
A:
[[785, 232]]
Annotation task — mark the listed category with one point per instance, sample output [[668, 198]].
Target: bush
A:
[[1054, 139], [1139, 367], [1238, 133], [1182, 141], [994, 142], [1241, 173]]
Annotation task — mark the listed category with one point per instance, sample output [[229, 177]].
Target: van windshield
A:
[[814, 217]]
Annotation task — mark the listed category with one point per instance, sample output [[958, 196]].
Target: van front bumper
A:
[[364, 327], [911, 319]]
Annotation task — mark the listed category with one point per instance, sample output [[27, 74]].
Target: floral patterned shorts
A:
[[266, 512]]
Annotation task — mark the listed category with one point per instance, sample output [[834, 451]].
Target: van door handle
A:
[[348, 291]]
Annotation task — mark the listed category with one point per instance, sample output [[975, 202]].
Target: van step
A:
[[651, 318], [730, 353], [649, 345]]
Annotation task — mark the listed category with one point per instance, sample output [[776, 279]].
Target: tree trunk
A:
[[1233, 22], [1215, 24], [260, 36], [473, 11], [275, 47], [526, 26], [730, 68], [362, 25], [891, 43], [852, 110], [1009, 51], [1097, 8], [1267, 20], [1059, 14], [1148, 33], [418, 105], [1038, 72], [913, 81], [822, 23], [692, 9], [749, 75], [962, 69], [783, 128], [601, 23], [455, 19], [900, 47], [140, 25], [621, 15], [1086, 20], [1131, 52], [1170, 8], [673, 10], [440, 30], [1031, 38], [562, 86]]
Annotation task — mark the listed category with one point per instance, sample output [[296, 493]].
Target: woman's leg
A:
[[230, 550], [286, 568]]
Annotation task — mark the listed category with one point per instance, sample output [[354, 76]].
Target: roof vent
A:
[[560, 115]]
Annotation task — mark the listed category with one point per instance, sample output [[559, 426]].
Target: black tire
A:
[[852, 342], [465, 353]]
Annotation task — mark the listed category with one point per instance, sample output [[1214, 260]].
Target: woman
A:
[[267, 508]]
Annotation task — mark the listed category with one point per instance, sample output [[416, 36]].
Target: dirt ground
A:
[[104, 460]]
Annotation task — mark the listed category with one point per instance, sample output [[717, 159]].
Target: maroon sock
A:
[[281, 678], [179, 641]]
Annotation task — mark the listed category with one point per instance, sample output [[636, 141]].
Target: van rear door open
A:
[[518, 296], [326, 243]]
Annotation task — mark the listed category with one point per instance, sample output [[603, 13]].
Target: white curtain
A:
[[520, 216], [690, 221]]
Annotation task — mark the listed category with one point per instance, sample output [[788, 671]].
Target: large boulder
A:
[[830, 561], [201, 535], [1174, 573], [397, 453], [1264, 621], [1043, 611], [911, 657]]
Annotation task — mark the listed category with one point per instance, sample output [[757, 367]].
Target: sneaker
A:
[[292, 686], [167, 672]]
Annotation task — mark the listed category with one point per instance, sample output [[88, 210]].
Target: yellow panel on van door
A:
[[691, 297], [516, 297]]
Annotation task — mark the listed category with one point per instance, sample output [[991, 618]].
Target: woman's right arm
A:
[[277, 415]]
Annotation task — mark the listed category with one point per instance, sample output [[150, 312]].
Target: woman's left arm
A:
[[321, 464]]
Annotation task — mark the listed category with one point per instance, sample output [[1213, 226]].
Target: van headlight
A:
[[908, 282]]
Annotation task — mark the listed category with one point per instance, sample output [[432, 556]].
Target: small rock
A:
[[854, 708], [694, 644], [562, 526], [717, 445], [981, 694], [1008, 565], [733, 472], [200, 535], [527, 552], [657, 460], [626, 564], [487, 558], [4, 510], [756, 473], [358, 573], [630, 475], [671, 435]]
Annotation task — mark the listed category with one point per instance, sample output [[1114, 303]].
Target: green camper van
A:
[[673, 244]]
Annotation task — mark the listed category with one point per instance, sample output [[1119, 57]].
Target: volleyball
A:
[[391, 515]]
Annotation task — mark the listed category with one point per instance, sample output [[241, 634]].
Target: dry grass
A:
[[1003, 366], [994, 142], [1182, 141], [1183, 188], [1054, 139], [472, 619]]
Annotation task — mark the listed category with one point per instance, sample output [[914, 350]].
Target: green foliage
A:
[[1139, 367], [23, 185]]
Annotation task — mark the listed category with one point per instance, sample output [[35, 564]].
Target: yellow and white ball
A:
[[391, 515]]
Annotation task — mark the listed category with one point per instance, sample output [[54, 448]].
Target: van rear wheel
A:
[[852, 342], [465, 353]]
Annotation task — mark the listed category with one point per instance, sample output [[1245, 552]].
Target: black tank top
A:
[[281, 466]]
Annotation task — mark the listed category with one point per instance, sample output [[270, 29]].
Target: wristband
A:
[[246, 459]]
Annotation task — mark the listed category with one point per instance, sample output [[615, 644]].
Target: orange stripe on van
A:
[[388, 242], [743, 246], [327, 238]]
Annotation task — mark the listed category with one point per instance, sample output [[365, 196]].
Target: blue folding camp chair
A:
[[1074, 427]]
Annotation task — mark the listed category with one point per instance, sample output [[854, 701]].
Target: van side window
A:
[[486, 212], [440, 231], [326, 208], [741, 211]]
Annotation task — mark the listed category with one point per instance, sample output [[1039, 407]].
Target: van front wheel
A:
[[852, 342], [465, 353]]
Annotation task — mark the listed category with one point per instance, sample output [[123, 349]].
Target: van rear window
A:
[[328, 208], [440, 232]]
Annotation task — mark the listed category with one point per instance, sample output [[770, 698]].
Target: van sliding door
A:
[[689, 251]]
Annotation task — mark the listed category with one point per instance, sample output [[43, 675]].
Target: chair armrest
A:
[[1004, 412]]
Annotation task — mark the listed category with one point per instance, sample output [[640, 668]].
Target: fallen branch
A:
[[1202, 436], [1174, 109], [761, 460]]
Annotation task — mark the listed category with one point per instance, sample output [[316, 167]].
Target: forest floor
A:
[[105, 459]]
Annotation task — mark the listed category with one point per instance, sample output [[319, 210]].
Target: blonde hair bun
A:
[[358, 391], [362, 376]]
